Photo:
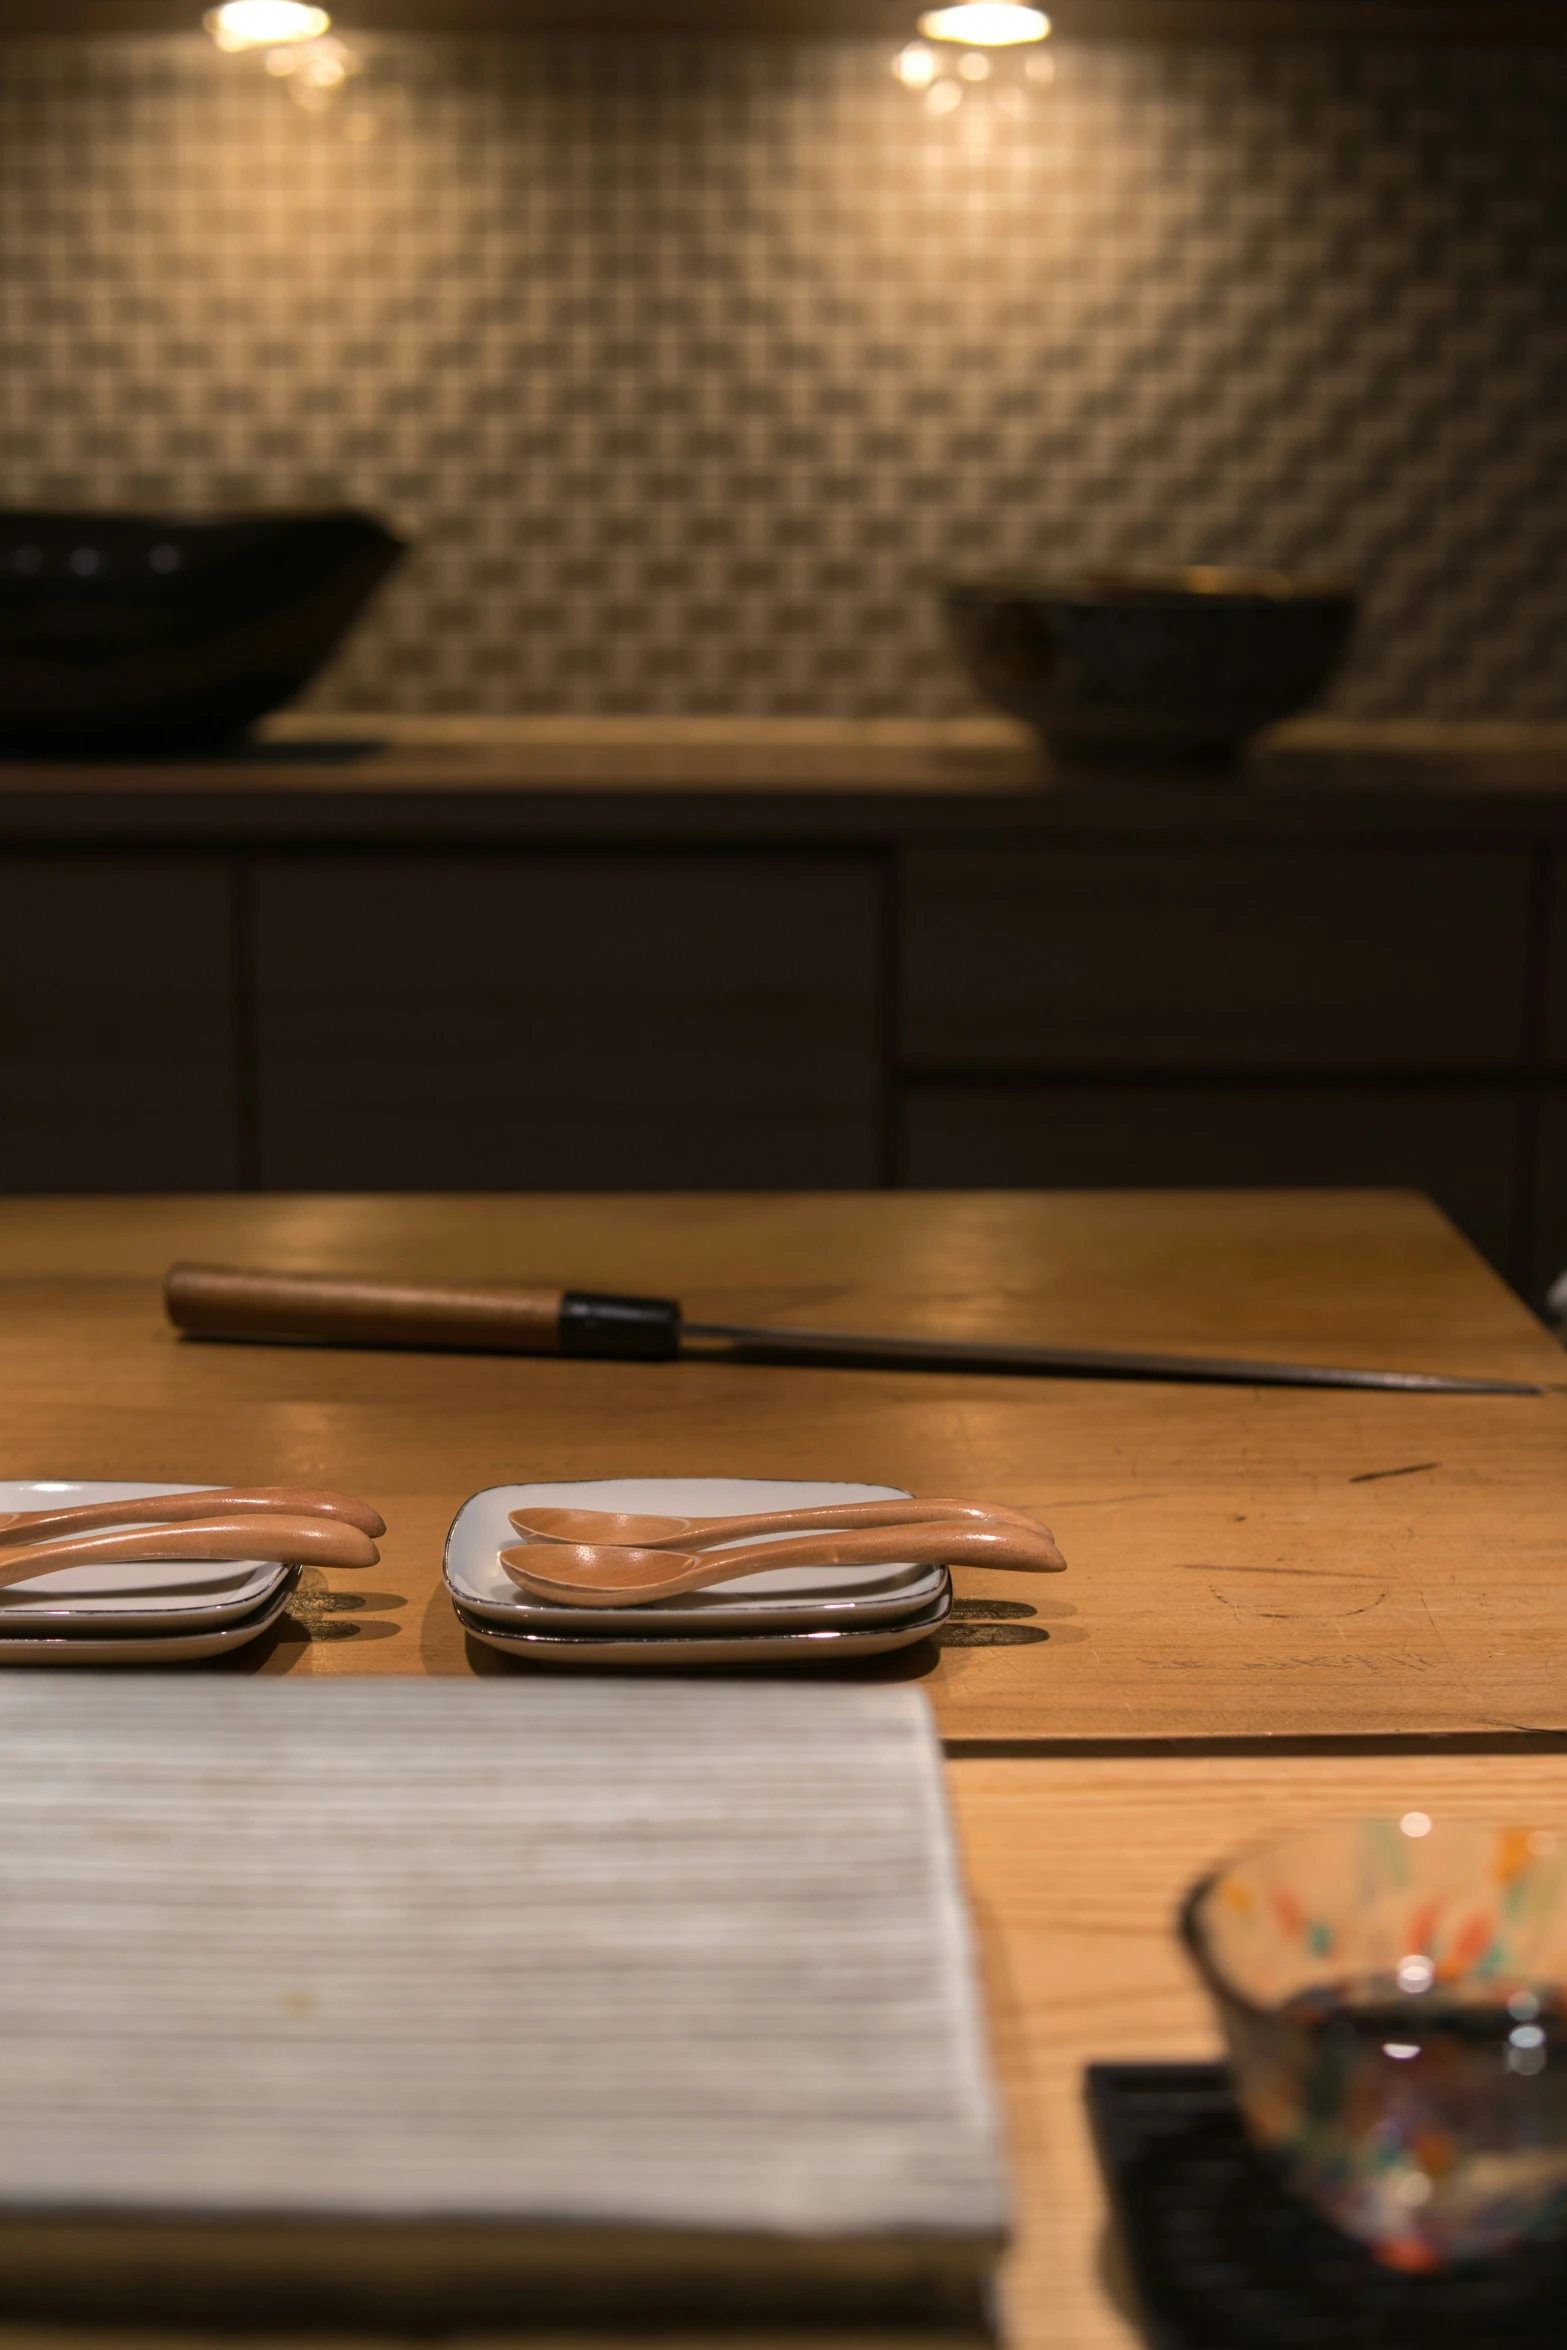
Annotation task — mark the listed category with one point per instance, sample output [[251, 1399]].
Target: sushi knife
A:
[[218, 1301]]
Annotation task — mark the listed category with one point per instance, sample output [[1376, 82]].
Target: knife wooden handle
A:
[[224, 1301]]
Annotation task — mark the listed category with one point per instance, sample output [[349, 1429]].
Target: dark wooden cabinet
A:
[[567, 1021], [1255, 958], [308, 980], [1553, 957], [1459, 1143], [117, 1034], [1547, 1258]]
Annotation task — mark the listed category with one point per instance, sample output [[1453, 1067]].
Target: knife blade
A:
[[734, 1342]]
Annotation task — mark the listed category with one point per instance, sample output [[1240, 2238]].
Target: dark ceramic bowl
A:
[[1169, 668], [125, 633]]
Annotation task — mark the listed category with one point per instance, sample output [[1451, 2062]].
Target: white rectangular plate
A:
[[785, 1599], [145, 1648], [668, 1652], [146, 1595]]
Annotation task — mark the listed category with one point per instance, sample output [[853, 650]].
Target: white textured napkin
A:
[[669, 1955]]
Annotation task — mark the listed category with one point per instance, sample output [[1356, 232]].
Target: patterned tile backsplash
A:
[[691, 369]]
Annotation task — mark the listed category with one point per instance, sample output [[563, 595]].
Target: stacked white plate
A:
[[142, 1612], [789, 1615]]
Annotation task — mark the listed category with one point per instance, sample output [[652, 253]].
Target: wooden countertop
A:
[[1076, 1869], [310, 776], [1245, 1563], [1293, 1576]]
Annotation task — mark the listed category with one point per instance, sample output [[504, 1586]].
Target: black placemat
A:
[[1225, 2258]]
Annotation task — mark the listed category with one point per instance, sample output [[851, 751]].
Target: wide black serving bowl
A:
[[1165, 668], [129, 633]]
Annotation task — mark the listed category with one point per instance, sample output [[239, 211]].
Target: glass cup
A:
[[1393, 1993]]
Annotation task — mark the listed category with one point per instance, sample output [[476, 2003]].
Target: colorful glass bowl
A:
[[1393, 1993]]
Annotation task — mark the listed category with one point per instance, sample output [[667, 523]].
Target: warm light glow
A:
[[263, 24], [985, 24], [915, 67]]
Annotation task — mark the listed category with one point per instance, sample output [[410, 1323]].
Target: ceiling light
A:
[[985, 24], [264, 24]]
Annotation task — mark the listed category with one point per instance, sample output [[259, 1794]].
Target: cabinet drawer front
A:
[[1293, 958], [1458, 1143], [537, 1022], [1549, 1260], [116, 1024], [1555, 1014]]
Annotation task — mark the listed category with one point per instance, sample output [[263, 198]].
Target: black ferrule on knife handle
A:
[[619, 1329]]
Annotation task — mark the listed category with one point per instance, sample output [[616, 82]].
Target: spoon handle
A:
[[605, 1526], [285, 1541], [602, 1577], [171, 1509]]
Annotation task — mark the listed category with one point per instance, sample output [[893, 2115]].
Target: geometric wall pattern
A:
[[692, 369]]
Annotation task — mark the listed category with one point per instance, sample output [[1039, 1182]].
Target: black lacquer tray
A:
[[1225, 2258]]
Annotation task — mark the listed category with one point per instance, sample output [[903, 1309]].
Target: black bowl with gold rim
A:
[[1173, 668]]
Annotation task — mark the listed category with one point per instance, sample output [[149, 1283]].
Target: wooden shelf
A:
[[1320, 771]]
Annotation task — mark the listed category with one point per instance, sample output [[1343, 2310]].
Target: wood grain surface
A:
[[1242, 1563], [1076, 1867]]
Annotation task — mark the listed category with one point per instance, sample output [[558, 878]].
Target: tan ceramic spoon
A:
[[170, 1509], [587, 1575], [288, 1542], [650, 1533]]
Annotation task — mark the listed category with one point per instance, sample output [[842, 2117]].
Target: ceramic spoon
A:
[[587, 1575], [650, 1533], [170, 1509], [288, 1542]]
